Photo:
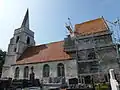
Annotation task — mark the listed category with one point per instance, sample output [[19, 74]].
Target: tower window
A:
[[17, 39], [28, 40], [15, 49]]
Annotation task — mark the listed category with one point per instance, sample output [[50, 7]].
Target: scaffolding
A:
[[95, 48]]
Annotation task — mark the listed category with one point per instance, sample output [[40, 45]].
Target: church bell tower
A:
[[23, 37]]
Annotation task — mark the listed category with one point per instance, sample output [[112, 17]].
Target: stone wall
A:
[[69, 65]]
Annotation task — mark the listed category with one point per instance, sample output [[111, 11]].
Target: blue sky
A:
[[47, 17]]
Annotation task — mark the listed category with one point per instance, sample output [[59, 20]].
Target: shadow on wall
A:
[[31, 51]]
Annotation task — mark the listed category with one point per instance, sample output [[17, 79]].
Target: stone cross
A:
[[114, 84]]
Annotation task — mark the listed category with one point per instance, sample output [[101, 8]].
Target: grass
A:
[[102, 86]]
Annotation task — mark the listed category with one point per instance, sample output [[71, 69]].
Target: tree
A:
[[2, 59]]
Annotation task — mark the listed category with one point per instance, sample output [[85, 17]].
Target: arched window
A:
[[32, 68], [17, 39], [92, 55], [60, 70], [16, 75], [15, 49], [26, 72], [32, 74], [46, 70], [28, 40]]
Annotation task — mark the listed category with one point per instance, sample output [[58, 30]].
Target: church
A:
[[87, 52]]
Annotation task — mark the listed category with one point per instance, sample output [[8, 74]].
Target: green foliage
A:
[[2, 58], [102, 86]]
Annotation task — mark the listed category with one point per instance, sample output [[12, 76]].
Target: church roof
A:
[[92, 26], [55, 51], [44, 53]]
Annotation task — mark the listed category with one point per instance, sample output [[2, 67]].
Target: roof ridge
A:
[[88, 21], [55, 42], [49, 43]]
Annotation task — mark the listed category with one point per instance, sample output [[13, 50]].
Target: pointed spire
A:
[[25, 22]]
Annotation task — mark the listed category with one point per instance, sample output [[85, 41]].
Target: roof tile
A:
[[55, 51], [92, 26], [42, 53]]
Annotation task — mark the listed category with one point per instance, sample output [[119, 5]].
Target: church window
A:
[[92, 55], [17, 39], [32, 68], [32, 74], [16, 75], [60, 70], [28, 40], [14, 49], [26, 72], [46, 70]]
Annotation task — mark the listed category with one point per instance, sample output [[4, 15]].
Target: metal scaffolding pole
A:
[[96, 52]]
